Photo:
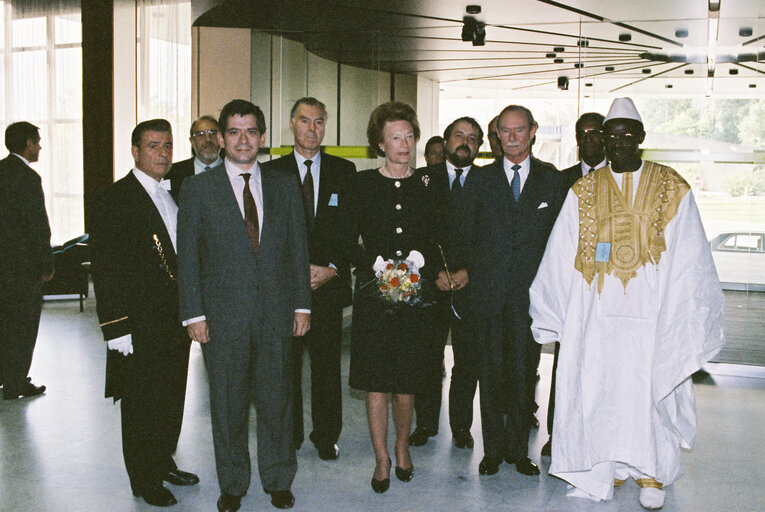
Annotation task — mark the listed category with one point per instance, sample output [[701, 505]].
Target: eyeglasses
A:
[[585, 134], [626, 137], [204, 133]]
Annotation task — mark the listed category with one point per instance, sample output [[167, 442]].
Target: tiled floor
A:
[[61, 451]]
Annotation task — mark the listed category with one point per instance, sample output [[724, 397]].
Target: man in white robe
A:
[[628, 287]]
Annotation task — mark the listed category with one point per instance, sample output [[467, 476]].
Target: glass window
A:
[[42, 84]]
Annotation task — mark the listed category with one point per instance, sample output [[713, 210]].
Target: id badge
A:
[[332, 200], [603, 251]]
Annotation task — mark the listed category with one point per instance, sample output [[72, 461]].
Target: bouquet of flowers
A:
[[399, 281]]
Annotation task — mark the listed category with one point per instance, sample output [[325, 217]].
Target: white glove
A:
[[123, 344]]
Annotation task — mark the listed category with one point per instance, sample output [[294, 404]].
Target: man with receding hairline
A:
[[507, 214]]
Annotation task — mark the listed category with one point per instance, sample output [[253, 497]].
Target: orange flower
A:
[[402, 266], [395, 282], [414, 278], [389, 266], [383, 287]]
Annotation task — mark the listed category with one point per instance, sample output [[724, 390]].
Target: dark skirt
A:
[[392, 350]]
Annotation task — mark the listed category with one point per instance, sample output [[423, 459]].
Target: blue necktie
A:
[[516, 183]]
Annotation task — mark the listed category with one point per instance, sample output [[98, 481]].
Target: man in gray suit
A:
[[244, 286]]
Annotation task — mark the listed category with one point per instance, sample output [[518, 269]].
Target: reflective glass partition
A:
[[716, 144]]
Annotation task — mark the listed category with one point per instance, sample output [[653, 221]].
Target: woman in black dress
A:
[[393, 212]]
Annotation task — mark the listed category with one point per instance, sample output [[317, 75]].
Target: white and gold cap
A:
[[623, 108]]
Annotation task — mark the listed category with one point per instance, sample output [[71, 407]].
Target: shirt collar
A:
[[235, 172], [22, 158], [199, 165], [315, 162], [525, 165], [149, 184], [583, 165], [450, 168]]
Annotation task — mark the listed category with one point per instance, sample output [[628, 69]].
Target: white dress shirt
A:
[[315, 171], [162, 199], [523, 171], [450, 169]]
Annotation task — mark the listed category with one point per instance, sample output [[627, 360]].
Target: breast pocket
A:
[[634, 304]]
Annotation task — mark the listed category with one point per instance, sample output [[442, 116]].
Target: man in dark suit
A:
[[463, 138], [494, 143], [244, 285], [134, 267], [26, 259], [323, 182], [589, 140], [206, 149], [508, 215]]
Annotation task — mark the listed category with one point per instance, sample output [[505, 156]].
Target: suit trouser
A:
[[324, 346], [507, 357], [20, 308], [427, 404], [152, 409], [464, 375], [256, 365]]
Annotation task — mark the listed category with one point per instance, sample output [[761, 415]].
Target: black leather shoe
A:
[[547, 448], [489, 465], [420, 436], [380, 486], [28, 389], [404, 475], [157, 495], [462, 438], [177, 477], [282, 499], [526, 467], [229, 503], [328, 451]]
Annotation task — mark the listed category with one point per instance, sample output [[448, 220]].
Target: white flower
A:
[[379, 264], [416, 258]]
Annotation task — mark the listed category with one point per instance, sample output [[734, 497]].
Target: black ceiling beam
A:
[[605, 20]]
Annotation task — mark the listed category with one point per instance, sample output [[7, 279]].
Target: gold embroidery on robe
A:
[[636, 231]]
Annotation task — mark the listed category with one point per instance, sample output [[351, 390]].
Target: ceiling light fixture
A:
[[713, 25]]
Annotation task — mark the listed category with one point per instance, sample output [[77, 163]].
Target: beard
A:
[[461, 161]]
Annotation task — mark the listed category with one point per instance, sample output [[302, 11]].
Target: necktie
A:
[[307, 190], [516, 183], [456, 184], [627, 188], [250, 213], [207, 167]]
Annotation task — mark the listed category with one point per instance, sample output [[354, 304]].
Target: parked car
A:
[[740, 260]]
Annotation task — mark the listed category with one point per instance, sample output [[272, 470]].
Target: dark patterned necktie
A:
[[457, 184], [516, 183], [250, 213], [307, 190]]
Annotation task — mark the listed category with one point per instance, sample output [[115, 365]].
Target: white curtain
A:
[[41, 82], [164, 67]]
